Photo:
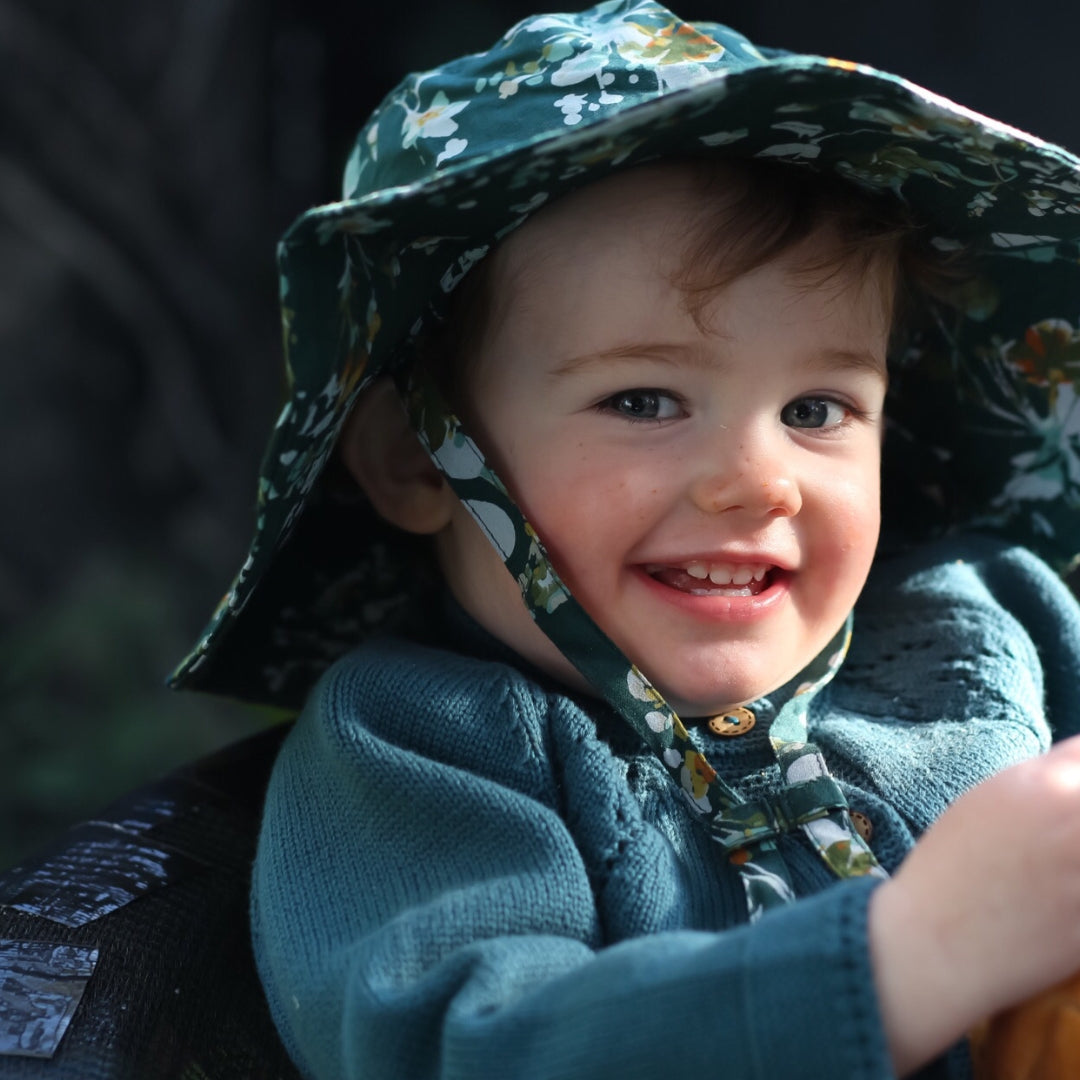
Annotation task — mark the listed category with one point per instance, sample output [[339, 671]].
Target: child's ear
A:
[[385, 457]]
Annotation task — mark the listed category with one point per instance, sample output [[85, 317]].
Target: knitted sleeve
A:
[[422, 915], [963, 663], [1039, 600]]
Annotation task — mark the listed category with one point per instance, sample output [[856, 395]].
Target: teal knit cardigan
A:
[[466, 873]]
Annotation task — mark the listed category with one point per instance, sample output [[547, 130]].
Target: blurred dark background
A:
[[150, 154]]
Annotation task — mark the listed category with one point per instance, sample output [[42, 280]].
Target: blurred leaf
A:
[[84, 714]]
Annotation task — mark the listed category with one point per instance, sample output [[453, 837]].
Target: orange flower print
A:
[[678, 43], [1048, 356], [701, 774]]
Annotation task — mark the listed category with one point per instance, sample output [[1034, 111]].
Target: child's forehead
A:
[[686, 219], [625, 203], [599, 325], [624, 228], [681, 225]]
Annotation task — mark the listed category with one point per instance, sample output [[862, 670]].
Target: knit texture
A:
[[465, 873]]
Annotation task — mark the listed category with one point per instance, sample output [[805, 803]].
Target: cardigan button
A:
[[863, 825], [736, 721]]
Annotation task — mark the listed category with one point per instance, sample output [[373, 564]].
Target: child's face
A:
[[709, 493]]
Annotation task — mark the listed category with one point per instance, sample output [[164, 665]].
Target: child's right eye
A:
[[643, 405]]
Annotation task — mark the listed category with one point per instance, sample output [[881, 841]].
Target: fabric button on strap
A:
[[863, 825], [736, 721]]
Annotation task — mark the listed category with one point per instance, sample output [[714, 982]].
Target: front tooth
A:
[[742, 576], [720, 574], [698, 570], [759, 572]]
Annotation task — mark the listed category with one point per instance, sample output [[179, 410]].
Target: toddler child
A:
[[641, 290]]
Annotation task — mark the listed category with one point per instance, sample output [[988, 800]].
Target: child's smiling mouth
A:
[[714, 578]]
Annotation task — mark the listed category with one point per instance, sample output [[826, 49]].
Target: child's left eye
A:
[[811, 412], [643, 404]]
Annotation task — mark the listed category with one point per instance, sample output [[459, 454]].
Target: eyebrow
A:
[[666, 352], [847, 360], [677, 353]]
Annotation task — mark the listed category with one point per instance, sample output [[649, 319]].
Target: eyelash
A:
[[852, 413], [610, 405]]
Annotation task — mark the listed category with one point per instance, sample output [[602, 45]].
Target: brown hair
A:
[[755, 211]]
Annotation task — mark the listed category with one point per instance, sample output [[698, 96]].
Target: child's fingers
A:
[[985, 910]]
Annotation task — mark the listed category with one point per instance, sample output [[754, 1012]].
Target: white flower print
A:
[[571, 105], [434, 122]]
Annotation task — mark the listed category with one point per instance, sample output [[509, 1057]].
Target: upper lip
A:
[[732, 558]]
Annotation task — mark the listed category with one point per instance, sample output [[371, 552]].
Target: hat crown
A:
[[547, 75]]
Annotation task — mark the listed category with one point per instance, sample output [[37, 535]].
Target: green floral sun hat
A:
[[984, 401]]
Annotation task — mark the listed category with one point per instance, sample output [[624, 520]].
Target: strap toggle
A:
[[750, 823]]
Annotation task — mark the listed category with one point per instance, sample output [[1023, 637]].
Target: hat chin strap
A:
[[810, 799]]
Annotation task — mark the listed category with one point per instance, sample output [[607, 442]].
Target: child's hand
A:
[[985, 910]]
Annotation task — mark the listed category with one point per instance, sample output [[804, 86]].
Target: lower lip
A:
[[722, 608]]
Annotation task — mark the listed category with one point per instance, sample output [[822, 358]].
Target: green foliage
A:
[[85, 714]]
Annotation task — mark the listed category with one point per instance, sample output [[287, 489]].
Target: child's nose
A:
[[755, 482]]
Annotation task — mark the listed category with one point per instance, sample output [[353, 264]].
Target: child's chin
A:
[[701, 705], [691, 698]]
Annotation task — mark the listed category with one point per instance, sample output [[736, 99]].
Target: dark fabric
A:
[[138, 922]]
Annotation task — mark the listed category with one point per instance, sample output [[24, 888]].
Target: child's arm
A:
[[985, 910], [419, 913]]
